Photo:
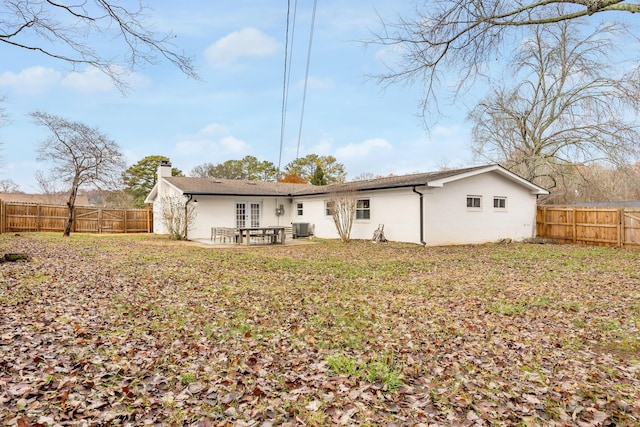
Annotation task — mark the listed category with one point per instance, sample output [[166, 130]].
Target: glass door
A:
[[247, 214]]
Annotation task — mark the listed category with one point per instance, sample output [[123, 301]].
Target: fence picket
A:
[[587, 225], [23, 217]]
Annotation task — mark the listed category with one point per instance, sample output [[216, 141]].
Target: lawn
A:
[[140, 330]]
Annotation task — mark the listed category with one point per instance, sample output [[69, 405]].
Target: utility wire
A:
[[288, 83], [285, 87], [306, 76]]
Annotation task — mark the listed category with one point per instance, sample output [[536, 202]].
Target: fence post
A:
[[3, 217], [574, 226], [621, 231]]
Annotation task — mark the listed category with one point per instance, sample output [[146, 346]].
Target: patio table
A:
[[274, 234]]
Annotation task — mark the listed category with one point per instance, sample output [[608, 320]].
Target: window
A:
[[299, 209], [474, 202], [241, 215], [363, 209], [500, 202], [327, 208], [255, 214]]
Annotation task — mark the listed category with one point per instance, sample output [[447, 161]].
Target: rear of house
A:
[[472, 205]]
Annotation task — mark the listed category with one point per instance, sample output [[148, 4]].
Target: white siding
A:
[[446, 217], [167, 191], [398, 210], [449, 221], [220, 211]]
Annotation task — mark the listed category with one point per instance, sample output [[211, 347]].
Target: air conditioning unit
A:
[[301, 229]]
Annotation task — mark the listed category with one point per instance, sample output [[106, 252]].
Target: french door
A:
[[247, 214]]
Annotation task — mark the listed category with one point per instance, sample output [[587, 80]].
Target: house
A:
[[472, 205]]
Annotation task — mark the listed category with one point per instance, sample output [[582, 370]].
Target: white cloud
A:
[[248, 42], [38, 80], [323, 148], [212, 141], [233, 145], [364, 148], [89, 81], [93, 80], [30, 81]]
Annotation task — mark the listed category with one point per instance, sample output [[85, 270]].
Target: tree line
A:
[[313, 169]]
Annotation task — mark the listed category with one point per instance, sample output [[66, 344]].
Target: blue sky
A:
[[236, 109]]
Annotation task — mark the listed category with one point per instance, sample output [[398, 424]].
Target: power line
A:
[[306, 76], [285, 82]]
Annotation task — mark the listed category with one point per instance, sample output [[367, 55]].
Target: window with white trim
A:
[[474, 202], [328, 204], [499, 202], [363, 209], [299, 208]]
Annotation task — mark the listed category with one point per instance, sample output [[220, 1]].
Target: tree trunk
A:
[[70, 204]]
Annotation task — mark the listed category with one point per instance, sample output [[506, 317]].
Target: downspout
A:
[[186, 216], [421, 215]]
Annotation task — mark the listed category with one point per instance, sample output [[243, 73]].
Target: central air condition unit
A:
[[301, 229]]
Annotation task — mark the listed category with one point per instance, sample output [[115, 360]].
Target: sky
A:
[[236, 108]]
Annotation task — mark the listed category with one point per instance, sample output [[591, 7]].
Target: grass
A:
[[320, 334], [379, 370]]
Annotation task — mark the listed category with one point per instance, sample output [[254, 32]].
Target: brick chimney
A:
[[164, 171]]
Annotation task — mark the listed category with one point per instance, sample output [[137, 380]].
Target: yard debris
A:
[[14, 257], [498, 335], [378, 235]]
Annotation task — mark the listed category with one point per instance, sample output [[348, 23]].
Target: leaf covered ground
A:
[[140, 330]]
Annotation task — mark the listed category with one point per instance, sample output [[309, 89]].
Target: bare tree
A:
[[65, 30], [3, 120], [455, 39], [365, 176], [46, 186], [8, 186], [599, 183], [568, 107], [178, 216], [80, 156], [343, 210]]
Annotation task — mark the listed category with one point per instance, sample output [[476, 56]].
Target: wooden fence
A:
[[591, 226], [23, 217]]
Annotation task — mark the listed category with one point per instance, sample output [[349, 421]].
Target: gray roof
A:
[[230, 187], [416, 179]]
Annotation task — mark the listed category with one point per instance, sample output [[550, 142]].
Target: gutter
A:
[[186, 216], [421, 216]]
